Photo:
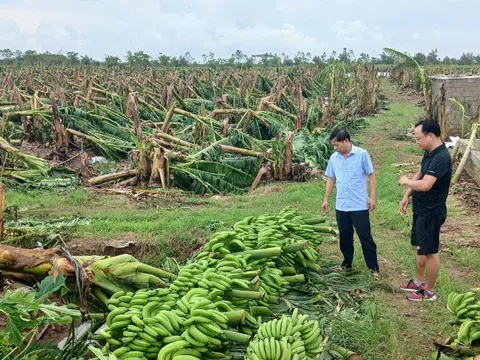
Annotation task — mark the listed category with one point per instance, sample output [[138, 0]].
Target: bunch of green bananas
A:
[[267, 231], [140, 322], [296, 337], [192, 320], [469, 333], [464, 306], [204, 324]]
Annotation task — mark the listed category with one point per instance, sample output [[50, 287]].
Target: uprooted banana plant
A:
[[174, 125]]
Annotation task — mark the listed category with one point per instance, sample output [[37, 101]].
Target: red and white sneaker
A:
[[422, 295], [410, 286]]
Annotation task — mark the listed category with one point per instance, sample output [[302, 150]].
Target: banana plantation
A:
[[261, 287], [203, 131]]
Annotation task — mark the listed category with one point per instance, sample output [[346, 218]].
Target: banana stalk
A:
[[241, 294], [262, 253], [261, 311], [236, 316], [302, 245], [236, 337]]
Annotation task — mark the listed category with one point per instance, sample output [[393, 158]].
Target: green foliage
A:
[[207, 177], [27, 311], [406, 62]]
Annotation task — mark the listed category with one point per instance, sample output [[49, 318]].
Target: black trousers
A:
[[360, 220]]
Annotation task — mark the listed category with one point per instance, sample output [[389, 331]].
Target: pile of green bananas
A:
[[267, 231], [465, 306], [290, 337], [203, 309]]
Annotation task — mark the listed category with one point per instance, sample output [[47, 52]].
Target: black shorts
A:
[[426, 232]]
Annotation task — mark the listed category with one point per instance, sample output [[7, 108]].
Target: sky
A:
[[112, 27]]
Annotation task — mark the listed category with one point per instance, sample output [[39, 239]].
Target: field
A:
[[179, 220]]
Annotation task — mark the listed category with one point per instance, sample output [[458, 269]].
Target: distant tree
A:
[[112, 60], [211, 58], [386, 59], [308, 58], [287, 61], [332, 57], [324, 58], [250, 61], [351, 55], [466, 59], [86, 60], [6, 54], [343, 56], [164, 60], [185, 59], [7, 57], [420, 58], [300, 58], [317, 60], [240, 57], [73, 58], [432, 57], [364, 58], [30, 57]]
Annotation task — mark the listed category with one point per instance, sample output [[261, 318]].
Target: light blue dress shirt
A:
[[351, 175]]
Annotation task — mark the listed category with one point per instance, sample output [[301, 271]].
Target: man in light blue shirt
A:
[[350, 169]]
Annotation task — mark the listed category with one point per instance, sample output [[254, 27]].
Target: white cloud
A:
[[351, 30], [416, 36]]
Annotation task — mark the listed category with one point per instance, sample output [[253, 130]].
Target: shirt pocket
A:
[[355, 173]]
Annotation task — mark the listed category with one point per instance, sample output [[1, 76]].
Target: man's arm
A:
[[406, 198], [372, 180], [328, 191], [409, 191], [417, 184], [372, 201]]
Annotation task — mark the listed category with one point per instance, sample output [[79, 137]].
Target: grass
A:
[[388, 327]]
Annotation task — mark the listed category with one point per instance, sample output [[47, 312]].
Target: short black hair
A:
[[340, 135], [429, 126]]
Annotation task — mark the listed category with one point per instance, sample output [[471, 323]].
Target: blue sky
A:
[[112, 27]]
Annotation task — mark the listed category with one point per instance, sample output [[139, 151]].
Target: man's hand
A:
[[404, 205], [403, 180], [325, 206], [372, 204]]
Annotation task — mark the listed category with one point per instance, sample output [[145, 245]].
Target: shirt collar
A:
[[435, 151]]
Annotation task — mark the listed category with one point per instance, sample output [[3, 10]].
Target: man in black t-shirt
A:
[[429, 190]]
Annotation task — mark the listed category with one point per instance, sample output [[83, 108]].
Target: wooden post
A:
[[428, 105], [460, 167], [443, 114], [3, 191]]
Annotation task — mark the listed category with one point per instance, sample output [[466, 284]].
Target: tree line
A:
[[10, 57]]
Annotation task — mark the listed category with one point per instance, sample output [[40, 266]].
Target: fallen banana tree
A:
[[32, 170], [166, 124], [99, 274]]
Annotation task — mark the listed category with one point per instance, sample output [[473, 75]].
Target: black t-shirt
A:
[[436, 163]]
